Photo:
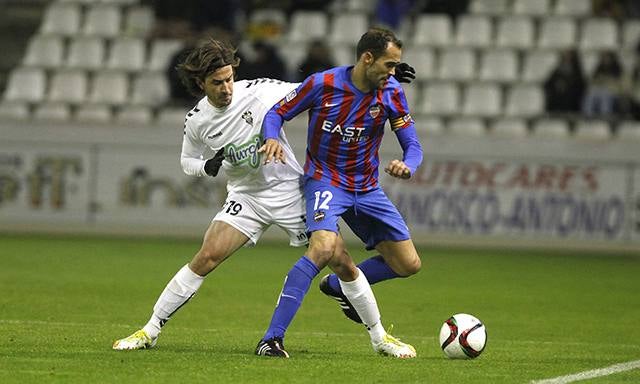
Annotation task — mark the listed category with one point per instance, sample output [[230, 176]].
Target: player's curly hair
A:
[[375, 40], [204, 59]]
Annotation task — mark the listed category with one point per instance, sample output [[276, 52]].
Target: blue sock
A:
[[375, 270], [295, 287]]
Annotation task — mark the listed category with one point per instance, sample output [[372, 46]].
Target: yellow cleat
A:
[[138, 340], [390, 346]]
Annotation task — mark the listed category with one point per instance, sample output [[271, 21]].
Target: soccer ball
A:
[[463, 336]]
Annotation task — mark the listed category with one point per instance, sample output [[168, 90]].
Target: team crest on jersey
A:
[[374, 111], [248, 118], [318, 216]]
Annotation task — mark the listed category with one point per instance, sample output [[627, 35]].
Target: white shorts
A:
[[253, 215]]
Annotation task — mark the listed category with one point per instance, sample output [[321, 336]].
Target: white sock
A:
[[361, 297], [179, 290]]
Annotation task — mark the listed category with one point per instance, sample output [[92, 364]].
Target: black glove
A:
[[405, 73], [212, 166]]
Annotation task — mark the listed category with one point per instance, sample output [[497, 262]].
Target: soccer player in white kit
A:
[[228, 120]]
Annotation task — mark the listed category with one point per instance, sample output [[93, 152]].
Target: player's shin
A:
[[178, 291], [361, 297], [296, 285]]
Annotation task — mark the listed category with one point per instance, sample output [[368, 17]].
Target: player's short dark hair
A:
[[204, 59], [375, 40]]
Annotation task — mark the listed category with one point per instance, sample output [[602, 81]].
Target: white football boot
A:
[[138, 340], [390, 346]]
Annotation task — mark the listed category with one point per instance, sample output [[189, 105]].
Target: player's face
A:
[[218, 86], [379, 70]]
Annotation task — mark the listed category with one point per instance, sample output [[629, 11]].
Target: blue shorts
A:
[[370, 215]]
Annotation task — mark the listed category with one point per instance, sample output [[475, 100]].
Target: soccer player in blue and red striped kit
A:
[[348, 108]]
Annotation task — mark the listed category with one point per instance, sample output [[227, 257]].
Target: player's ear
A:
[[367, 57]]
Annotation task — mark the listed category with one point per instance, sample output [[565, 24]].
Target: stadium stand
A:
[[99, 60]]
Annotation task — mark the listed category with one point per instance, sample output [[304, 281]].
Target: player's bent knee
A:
[[409, 268]]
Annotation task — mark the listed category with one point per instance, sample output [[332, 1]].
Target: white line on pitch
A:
[[617, 368]]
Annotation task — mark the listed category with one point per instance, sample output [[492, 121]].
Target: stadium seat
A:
[[557, 32], [525, 100], [599, 34], [551, 129], [482, 99], [86, 53], [171, 117], [52, 112], [628, 131], [307, 26], [151, 89], [457, 64], [499, 65], [575, 8], [630, 34], [412, 93], [489, 7], [138, 21], [134, 115], [162, 50], [344, 54], [422, 59], [69, 86], [433, 30], [293, 54], [61, 19], [440, 99], [93, 113], [44, 51], [127, 54], [14, 110], [109, 87], [427, 126], [592, 130], [26, 84], [538, 65], [509, 128], [102, 20], [532, 7], [466, 126], [347, 28], [589, 61], [515, 32], [473, 31]]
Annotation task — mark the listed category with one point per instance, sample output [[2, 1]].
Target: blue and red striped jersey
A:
[[345, 126]]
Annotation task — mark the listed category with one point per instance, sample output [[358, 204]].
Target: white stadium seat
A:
[[134, 115], [574, 8], [128, 54], [440, 99], [599, 34], [14, 110], [524, 100], [347, 28], [69, 86], [628, 131], [557, 33], [150, 88], [499, 65], [551, 129], [93, 113], [86, 53], [422, 59], [538, 65], [44, 51], [515, 32], [162, 50], [592, 130], [61, 19], [427, 126], [102, 20], [109, 87], [433, 30], [474, 31], [467, 126], [489, 7], [482, 99], [531, 7], [52, 112], [630, 34], [509, 128], [308, 25], [457, 64], [26, 84], [139, 21]]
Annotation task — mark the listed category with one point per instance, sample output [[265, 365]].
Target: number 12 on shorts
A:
[[325, 196]]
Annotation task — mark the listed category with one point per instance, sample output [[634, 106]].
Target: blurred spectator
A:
[[264, 62], [605, 87], [564, 88], [390, 13], [614, 9], [318, 59], [182, 19], [453, 8]]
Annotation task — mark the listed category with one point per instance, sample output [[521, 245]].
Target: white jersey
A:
[[238, 129]]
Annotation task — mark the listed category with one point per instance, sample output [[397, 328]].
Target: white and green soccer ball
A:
[[463, 336]]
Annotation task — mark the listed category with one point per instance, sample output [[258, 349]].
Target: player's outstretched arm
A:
[[399, 169], [272, 149]]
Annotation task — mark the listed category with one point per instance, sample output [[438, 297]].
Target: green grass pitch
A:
[[63, 300]]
